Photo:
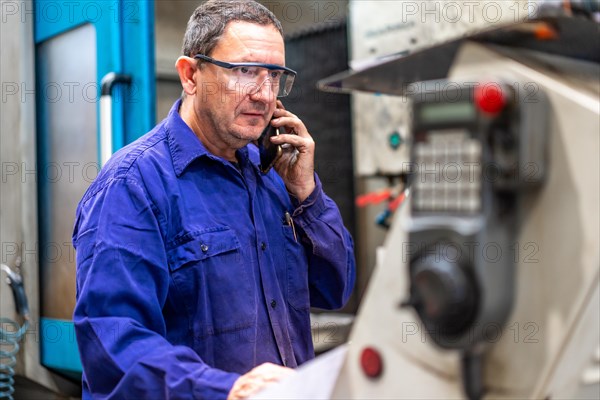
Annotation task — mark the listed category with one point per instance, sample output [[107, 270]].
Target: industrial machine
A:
[[487, 285]]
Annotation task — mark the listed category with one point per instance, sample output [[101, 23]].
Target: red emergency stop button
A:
[[371, 362], [489, 98]]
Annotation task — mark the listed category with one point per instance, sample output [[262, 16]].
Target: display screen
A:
[[447, 112]]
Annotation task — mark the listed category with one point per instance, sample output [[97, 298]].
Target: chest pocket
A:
[[213, 280]]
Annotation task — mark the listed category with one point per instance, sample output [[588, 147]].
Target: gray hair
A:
[[208, 22]]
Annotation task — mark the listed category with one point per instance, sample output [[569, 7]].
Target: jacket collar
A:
[[185, 146]]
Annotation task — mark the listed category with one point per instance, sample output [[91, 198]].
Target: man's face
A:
[[230, 114]]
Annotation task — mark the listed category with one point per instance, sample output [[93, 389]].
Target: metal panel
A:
[[395, 27], [67, 96]]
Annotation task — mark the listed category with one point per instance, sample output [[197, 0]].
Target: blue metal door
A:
[[95, 92]]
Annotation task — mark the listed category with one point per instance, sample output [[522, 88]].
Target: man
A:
[[195, 270]]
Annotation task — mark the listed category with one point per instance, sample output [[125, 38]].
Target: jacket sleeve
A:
[[122, 286], [332, 267]]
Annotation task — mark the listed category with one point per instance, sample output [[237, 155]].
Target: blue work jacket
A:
[[189, 273]]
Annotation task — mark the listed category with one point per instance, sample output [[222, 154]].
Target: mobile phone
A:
[[269, 152]]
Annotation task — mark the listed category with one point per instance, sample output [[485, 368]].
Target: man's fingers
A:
[[271, 372], [245, 386], [251, 387], [276, 375], [255, 380], [269, 369], [298, 142], [290, 123]]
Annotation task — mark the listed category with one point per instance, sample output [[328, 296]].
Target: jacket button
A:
[[273, 303], [263, 246], [204, 248]]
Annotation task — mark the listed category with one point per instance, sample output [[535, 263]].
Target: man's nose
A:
[[263, 91]]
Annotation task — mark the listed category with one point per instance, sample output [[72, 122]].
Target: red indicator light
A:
[[371, 362], [544, 31], [489, 98]]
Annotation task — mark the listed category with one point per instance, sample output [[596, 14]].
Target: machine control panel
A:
[[471, 144]]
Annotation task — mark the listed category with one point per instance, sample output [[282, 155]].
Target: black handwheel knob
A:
[[444, 294]]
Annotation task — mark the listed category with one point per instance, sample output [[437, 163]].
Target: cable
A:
[[11, 334], [9, 347], [472, 375]]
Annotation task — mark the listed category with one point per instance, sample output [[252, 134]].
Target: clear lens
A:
[[286, 84], [250, 78]]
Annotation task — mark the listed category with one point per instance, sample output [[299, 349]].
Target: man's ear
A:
[[186, 68]]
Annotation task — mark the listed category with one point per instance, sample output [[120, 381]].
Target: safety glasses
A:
[[251, 76]]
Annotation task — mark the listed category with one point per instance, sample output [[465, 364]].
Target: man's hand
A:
[[257, 379], [297, 164]]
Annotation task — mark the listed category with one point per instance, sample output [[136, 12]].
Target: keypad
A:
[[448, 173]]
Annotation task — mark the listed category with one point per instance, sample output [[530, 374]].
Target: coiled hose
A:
[[11, 334]]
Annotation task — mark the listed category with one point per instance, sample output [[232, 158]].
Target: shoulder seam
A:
[[123, 170]]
